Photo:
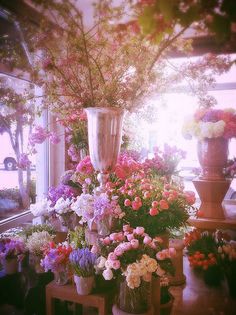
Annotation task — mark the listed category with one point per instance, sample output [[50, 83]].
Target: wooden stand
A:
[[69, 293], [212, 194]]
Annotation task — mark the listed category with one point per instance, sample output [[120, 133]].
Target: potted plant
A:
[[83, 261], [202, 249], [56, 259], [132, 257], [11, 253]]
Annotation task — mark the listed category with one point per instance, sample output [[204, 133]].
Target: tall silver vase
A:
[[104, 134]]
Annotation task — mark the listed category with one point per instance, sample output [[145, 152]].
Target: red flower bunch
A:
[[56, 256]]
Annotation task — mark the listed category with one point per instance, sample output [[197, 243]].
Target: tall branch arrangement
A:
[[121, 59]]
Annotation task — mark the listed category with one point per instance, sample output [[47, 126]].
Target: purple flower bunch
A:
[[65, 191], [104, 207], [83, 261], [12, 248]]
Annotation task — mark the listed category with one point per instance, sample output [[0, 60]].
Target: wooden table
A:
[[69, 293]]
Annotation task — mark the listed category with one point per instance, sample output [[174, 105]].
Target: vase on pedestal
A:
[[104, 135], [213, 156], [133, 301]]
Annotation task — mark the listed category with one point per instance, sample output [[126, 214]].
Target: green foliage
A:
[[206, 244], [28, 231], [77, 237]]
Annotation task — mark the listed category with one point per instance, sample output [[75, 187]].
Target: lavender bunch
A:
[[82, 261], [12, 248]]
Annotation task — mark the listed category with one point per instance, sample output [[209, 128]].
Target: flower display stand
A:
[[69, 293], [179, 277]]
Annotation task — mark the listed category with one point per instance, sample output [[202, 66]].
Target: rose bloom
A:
[[115, 264], [107, 274]]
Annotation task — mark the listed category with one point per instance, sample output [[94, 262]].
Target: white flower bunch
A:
[[228, 251], [202, 130], [42, 207], [141, 270], [37, 242], [63, 206], [84, 207]]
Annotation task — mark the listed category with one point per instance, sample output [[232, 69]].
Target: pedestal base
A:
[[179, 277], [228, 223], [212, 194]]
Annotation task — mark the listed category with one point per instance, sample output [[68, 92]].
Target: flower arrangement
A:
[[134, 255], [136, 194], [154, 203], [202, 249], [98, 209], [214, 253], [211, 123], [12, 248], [83, 262], [56, 257]]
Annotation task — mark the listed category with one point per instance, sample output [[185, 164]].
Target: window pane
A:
[[17, 176]]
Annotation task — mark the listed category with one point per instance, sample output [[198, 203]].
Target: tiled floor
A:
[[195, 298]]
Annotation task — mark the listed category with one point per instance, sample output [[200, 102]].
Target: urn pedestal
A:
[[212, 194]]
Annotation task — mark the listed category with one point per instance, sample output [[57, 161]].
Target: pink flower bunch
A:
[[126, 166], [164, 162], [40, 134], [85, 166], [152, 202], [122, 250]]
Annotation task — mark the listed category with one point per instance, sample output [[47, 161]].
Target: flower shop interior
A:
[[118, 157]]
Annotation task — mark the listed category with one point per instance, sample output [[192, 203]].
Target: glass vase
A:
[[104, 135], [134, 301], [61, 277]]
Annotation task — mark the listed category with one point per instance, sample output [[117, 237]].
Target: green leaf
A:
[[167, 9], [190, 16], [147, 21], [221, 27]]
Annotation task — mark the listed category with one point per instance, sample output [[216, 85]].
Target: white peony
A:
[[83, 207], [62, 206], [40, 208]]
